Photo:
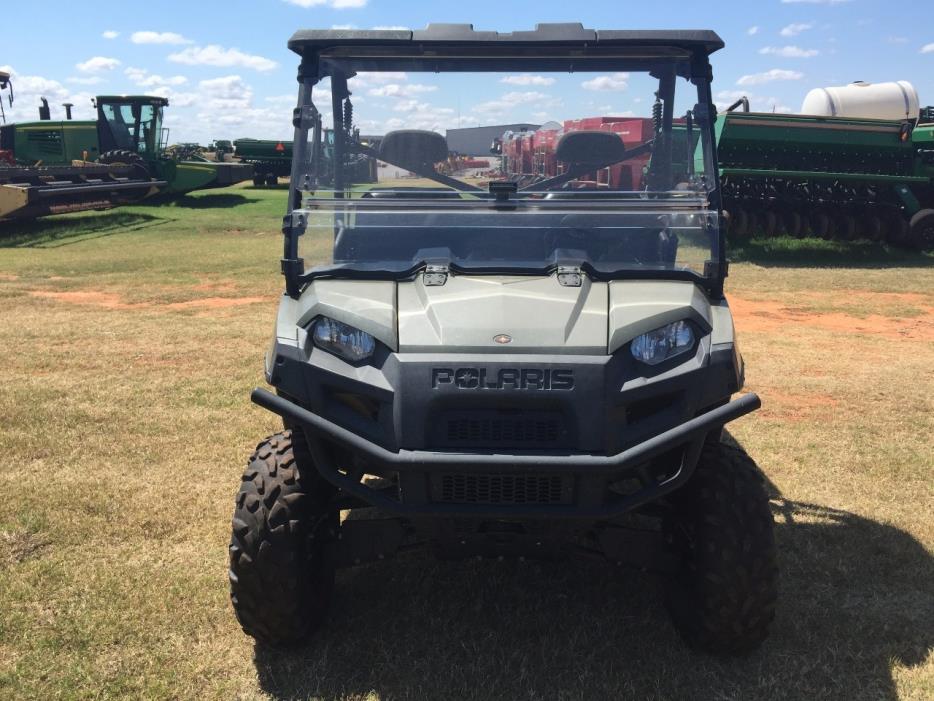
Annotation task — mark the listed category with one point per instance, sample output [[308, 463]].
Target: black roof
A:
[[453, 35], [145, 99]]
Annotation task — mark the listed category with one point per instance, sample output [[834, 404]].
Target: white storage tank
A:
[[898, 100]]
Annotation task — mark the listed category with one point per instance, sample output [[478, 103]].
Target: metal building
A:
[[476, 141]]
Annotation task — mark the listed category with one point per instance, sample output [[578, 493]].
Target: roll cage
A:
[[339, 54]]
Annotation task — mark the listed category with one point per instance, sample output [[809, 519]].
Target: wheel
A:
[[873, 227], [122, 157], [921, 230], [769, 223], [280, 575], [258, 179], [897, 228], [819, 224], [846, 227], [740, 223], [793, 223], [271, 180], [723, 598]]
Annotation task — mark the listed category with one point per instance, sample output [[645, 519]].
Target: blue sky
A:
[[227, 72]]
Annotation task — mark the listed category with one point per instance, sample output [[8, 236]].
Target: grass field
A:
[[129, 341]]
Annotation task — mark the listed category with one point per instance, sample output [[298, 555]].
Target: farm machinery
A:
[[55, 167], [834, 177], [272, 159]]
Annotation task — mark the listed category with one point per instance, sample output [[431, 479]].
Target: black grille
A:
[[492, 429], [485, 488]]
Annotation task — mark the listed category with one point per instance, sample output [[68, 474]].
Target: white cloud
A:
[[214, 55], [90, 80], [514, 99], [788, 51], [420, 115], [144, 79], [616, 81], [343, 26], [158, 38], [391, 27], [897, 40], [228, 87], [336, 4], [527, 79], [401, 90], [110, 34], [281, 99], [753, 30], [795, 29], [769, 77], [97, 64], [927, 49], [178, 99]]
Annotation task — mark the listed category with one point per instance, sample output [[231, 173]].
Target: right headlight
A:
[[663, 343], [343, 340]]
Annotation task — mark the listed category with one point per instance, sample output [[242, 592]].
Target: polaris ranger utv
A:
[[497, 368]]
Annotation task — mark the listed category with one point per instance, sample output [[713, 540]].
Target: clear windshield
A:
[[508, 169], [134, 127]]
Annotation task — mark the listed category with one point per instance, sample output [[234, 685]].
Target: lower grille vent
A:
[[484, 488], [495, 429]]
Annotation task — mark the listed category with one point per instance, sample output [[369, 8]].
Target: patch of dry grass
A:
[[125, 423]]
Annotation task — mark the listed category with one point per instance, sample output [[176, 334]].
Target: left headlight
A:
[[343, 340], [663, 343]]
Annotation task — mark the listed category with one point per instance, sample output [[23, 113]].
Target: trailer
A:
[[780, 174], [271, 159], [830, 177]]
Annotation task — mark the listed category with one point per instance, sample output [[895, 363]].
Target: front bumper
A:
[[632, 464]]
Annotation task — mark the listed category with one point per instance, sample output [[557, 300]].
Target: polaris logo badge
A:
[[505, 378]]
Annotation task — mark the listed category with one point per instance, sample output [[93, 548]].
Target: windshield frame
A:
[[335, 61]]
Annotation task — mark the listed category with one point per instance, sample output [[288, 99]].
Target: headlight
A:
[[343, 340], [664, 343]]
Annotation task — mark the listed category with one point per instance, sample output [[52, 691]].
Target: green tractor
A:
[[128, 132]]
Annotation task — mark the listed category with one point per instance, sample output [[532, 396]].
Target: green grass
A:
[[129, 341]]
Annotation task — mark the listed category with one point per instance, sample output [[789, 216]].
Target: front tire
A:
[[921, 230], [281, 577], [723, 598]]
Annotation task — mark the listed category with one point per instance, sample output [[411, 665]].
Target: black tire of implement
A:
[[271, 180], [847, 227], [793, 223], [124, 157], [723, 599], [819, 224], [874, 227], [740, 224], [770, 223], [921, 230], [281, 577], [258, 179]]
